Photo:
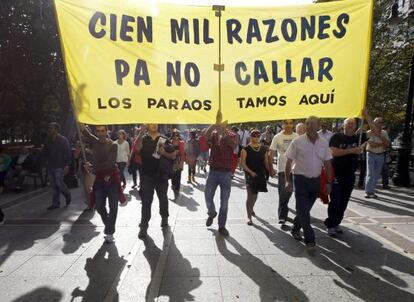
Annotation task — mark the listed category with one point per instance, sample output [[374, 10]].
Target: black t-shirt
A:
[[347, 164], [155, 167], [149, 163]]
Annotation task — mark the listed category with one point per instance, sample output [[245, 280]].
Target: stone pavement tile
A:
[[253, 288], [30, 239], [125, 238], [16, 288], [406, 229], [134, 288], [105, 262], [190, 289], [92, 287], [284, 245], [233, 265], [315, 288], [45, 266], [384, 264], [369, 288], [72, 240], [192, 232], [193, 247], [9, 263], [240, 231], [191, 266], [238, 246], [307, 265], [144, 265]]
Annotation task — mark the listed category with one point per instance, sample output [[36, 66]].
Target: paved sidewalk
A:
[[61, 256]]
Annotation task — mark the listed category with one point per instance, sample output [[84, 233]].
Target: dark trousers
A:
[[340, 195], [284, 196], [2, 177], [134, 170], [362, 172], [104, 190], [385, 172], [148, 186], [306, 191], [176, 181], [121, 167]]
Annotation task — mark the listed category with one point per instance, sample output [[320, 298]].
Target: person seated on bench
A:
[[21, 165], [4, 166]]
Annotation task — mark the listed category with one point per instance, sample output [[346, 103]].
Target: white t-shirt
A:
[[376, 139], [123, 152], [244, 136], [327, 135], [308, 157], [281, 143]]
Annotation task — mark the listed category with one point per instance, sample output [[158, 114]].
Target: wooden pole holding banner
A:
[[219, 67]]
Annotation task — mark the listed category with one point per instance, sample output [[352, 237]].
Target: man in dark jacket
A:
[[58, 155]]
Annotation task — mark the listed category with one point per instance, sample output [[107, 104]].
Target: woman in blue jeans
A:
[[377, 144]]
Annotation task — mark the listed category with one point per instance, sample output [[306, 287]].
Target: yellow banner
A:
[[141, 62]]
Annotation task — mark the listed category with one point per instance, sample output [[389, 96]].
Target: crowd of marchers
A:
[[307, 159]]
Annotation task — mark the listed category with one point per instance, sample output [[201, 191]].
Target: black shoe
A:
[[164, 222], [296, 235], [387, 187], [68, 200], [210, 219], [223, 231], [142, 233], [52, 207], [176, 195], [2, 219]]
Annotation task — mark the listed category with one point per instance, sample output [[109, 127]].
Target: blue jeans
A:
[[222, 179], [375, 163], [306, 191], [58, 185]]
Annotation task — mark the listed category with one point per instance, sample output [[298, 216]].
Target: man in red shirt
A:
[[222, 143]]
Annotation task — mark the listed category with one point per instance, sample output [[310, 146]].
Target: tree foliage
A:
[[33, 87], [391, 52]]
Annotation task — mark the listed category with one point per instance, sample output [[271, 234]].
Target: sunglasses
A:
[[255, 135]]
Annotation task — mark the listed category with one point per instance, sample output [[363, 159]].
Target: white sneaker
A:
[[331, 232], [109, 238], [338, 230]]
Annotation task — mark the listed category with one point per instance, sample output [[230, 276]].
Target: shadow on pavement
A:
[[259, 272], [82, 231], [381, 204], [356, 259], [187, 202], [177, 289], [103, 273], [40, 294], [16, 238]]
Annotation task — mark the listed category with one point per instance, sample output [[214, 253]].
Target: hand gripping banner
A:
[[146, 62]]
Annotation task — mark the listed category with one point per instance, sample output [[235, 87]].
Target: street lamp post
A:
[[402, 175]]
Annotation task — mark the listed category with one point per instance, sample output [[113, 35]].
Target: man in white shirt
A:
[[281, 143], [244, 136], [309, 152], [324, 132]]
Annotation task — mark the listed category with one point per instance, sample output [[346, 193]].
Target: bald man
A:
[[305, 157], [345, 151]]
